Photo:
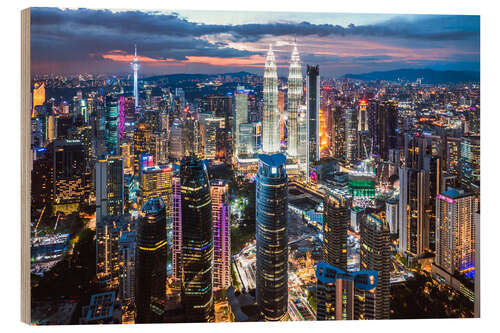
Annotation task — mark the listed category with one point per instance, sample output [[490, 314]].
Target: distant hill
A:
[[182, 76], [428, 76]]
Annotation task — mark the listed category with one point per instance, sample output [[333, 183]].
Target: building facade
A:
[[270, 111], [295, 89], [272, 237], [222, 233], [197, 242], [151, 258]]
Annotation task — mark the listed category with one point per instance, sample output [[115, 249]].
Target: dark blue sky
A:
[[102, 41]]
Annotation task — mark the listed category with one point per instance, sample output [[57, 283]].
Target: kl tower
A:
[[135, 67]]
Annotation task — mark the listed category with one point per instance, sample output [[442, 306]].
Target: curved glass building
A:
[[151, 257], [197, 241], [272, 237]]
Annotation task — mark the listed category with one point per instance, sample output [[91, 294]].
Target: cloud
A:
[[87, 35]]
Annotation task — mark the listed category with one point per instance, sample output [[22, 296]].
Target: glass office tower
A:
[[151, 258], [197, 241], [272, 237]]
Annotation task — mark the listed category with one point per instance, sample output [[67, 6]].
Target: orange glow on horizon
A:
[[251, 61]]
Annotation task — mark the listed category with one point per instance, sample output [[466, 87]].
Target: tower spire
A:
[[135, 50]]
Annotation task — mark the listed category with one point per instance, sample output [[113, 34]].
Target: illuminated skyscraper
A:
[[210, 126], [176, 144], [413, 219], [335, 223], [177, 228], [270, 112], [456, 222], [111, 125], [109, 187], [38, 96], [240, 115], [375, 255], [313, 100], [302, 138], [108, 252], [294, 99], [469, 162], [272, 237], [127, 272], [151, 258], [351, 135], [340, 294], [197, 241], [156, 182], [135, 68], [222, 233]]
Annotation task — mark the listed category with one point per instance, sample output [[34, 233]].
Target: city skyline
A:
[[236, 197], [101, 41]]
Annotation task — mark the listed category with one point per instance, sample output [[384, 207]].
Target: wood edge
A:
[[25, 165]]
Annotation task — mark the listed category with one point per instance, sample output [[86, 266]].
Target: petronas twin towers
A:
[[271, 114]]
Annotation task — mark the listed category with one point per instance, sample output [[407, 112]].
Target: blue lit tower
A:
[[197, 241], [272, 237], [135, 68]]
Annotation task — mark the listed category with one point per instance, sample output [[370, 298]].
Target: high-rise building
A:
[[272, 237], [71, 179], [111, 125], [313, 102], [151, 258], [338, 133], [363, 115], [176, 144], [38, 96], [248, 138], [456, 221], [351, 136], [176, 228], [197, 241], [340, 294], [413, 219], [222, 233], [270, 112], [384, 133], [240, 115], [127, 272], [109, 187], [392, 213], [156, 182], [294, 99], [135, 68], [335, 223], [210, 126], [108, 252], [375, 255], [302, 139], [469, 162]]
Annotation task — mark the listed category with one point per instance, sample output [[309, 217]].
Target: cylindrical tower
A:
[[272, 237], [197, 241], [151, 258]]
